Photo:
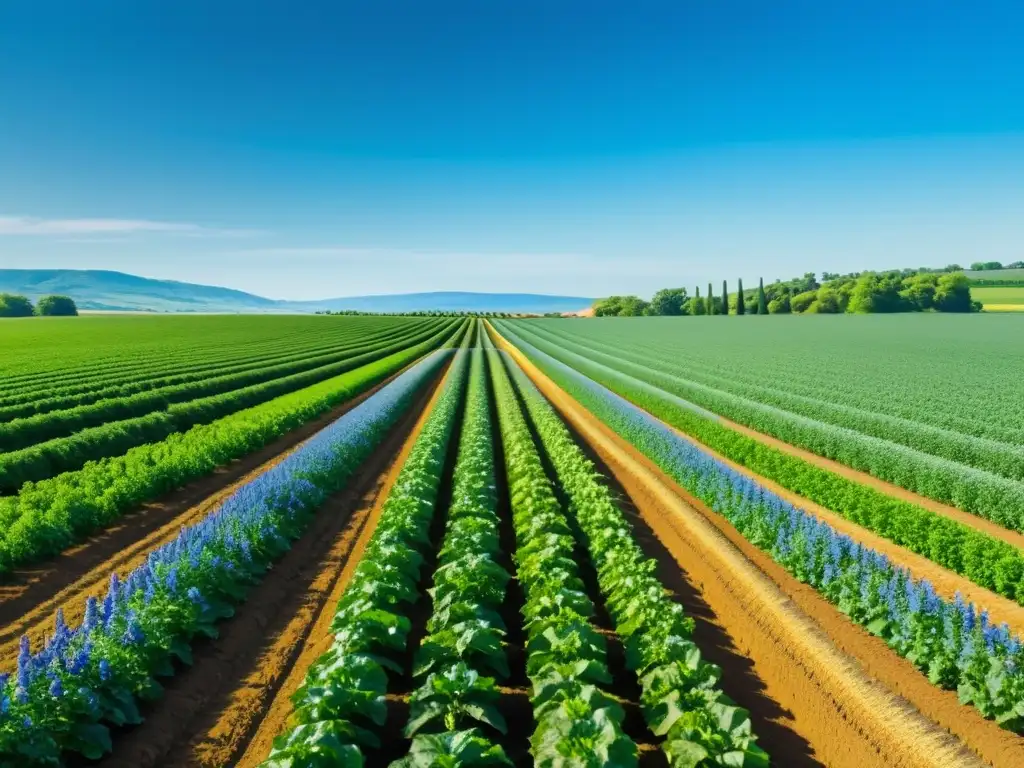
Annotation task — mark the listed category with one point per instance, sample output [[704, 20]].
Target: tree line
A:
[[15, 305], [905, 290]]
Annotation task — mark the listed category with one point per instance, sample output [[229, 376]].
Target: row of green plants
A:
[[985, 560], [66, 696], [454, 713], [758, 403], [954, 643], [66, 454], [577, 722], [340, 707], [45, 517], [44, 398], [147, 347], [24, 432], [681, 698]]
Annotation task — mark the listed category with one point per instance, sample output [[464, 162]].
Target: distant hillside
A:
[[105, 290]]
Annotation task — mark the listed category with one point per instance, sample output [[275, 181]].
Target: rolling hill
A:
[[117, 291]]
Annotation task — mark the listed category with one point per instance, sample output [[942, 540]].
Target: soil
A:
[[839, 689], [238, 686], [30, 596]]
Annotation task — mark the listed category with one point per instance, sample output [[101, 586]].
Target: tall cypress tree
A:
[[725, 298], [696, 304], [762, 304], [711, 301], [740, 306]]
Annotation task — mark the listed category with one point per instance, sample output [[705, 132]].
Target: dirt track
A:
[[211, 711], [30, 596], [836, 680]]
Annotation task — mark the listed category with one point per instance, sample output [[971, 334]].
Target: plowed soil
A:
[[213, 710], [30, 596], [843, 691]]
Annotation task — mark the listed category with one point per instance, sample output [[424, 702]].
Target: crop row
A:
[[169, 385], [681, 700], [146, 348], [987, 561], [342, 700], [47, 516], [66, 696], [66, 454], [973, 490], [951, 642], [577, 721]]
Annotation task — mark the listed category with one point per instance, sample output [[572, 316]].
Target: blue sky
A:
[[305, 150]]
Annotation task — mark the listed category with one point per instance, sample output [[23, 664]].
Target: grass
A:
[[1000, 298]]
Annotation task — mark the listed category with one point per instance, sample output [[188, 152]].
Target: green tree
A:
[[696, 304], [762, 303], [802, 301], [57, 306], [740, 305], [632, 306], [725, 298], [710, 301], [12, 305], [668, 301], [779, 305], [953, 293]]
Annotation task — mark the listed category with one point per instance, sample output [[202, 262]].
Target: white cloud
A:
[[32, 225]]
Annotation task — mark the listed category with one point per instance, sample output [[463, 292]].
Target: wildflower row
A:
[[951, 642], [341, 702], [985, 560], [87, 678], [454, 711], [45, 517], [680, 697], [577, 723]]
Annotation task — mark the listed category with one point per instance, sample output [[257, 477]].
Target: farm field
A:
[[448, 541], [1000, 298]]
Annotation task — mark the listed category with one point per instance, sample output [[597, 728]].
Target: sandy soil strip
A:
[[211, 710], [824, 677], [30, 596]]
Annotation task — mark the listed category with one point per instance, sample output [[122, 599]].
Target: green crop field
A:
[[443, 541], [999, 298]]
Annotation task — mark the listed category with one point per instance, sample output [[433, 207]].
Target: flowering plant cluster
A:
[[954, 643], [680, 696], [87, 678]]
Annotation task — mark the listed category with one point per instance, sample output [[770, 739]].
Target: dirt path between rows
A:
[[211, 711], [30, 596], [837, 681]]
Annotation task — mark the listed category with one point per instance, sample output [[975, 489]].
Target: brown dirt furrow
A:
[[29, 597], [212, 710], [846, 692]]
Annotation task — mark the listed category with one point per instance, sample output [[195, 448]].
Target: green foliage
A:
[[697, 304], [620, 306], [668, 301], [710, 301], [762, 303], [741, 306], [12, 305], [56, 306]]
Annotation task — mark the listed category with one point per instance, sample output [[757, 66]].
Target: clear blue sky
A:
[[304, 150]]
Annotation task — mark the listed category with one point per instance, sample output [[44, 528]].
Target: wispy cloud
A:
[[35, 226]]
